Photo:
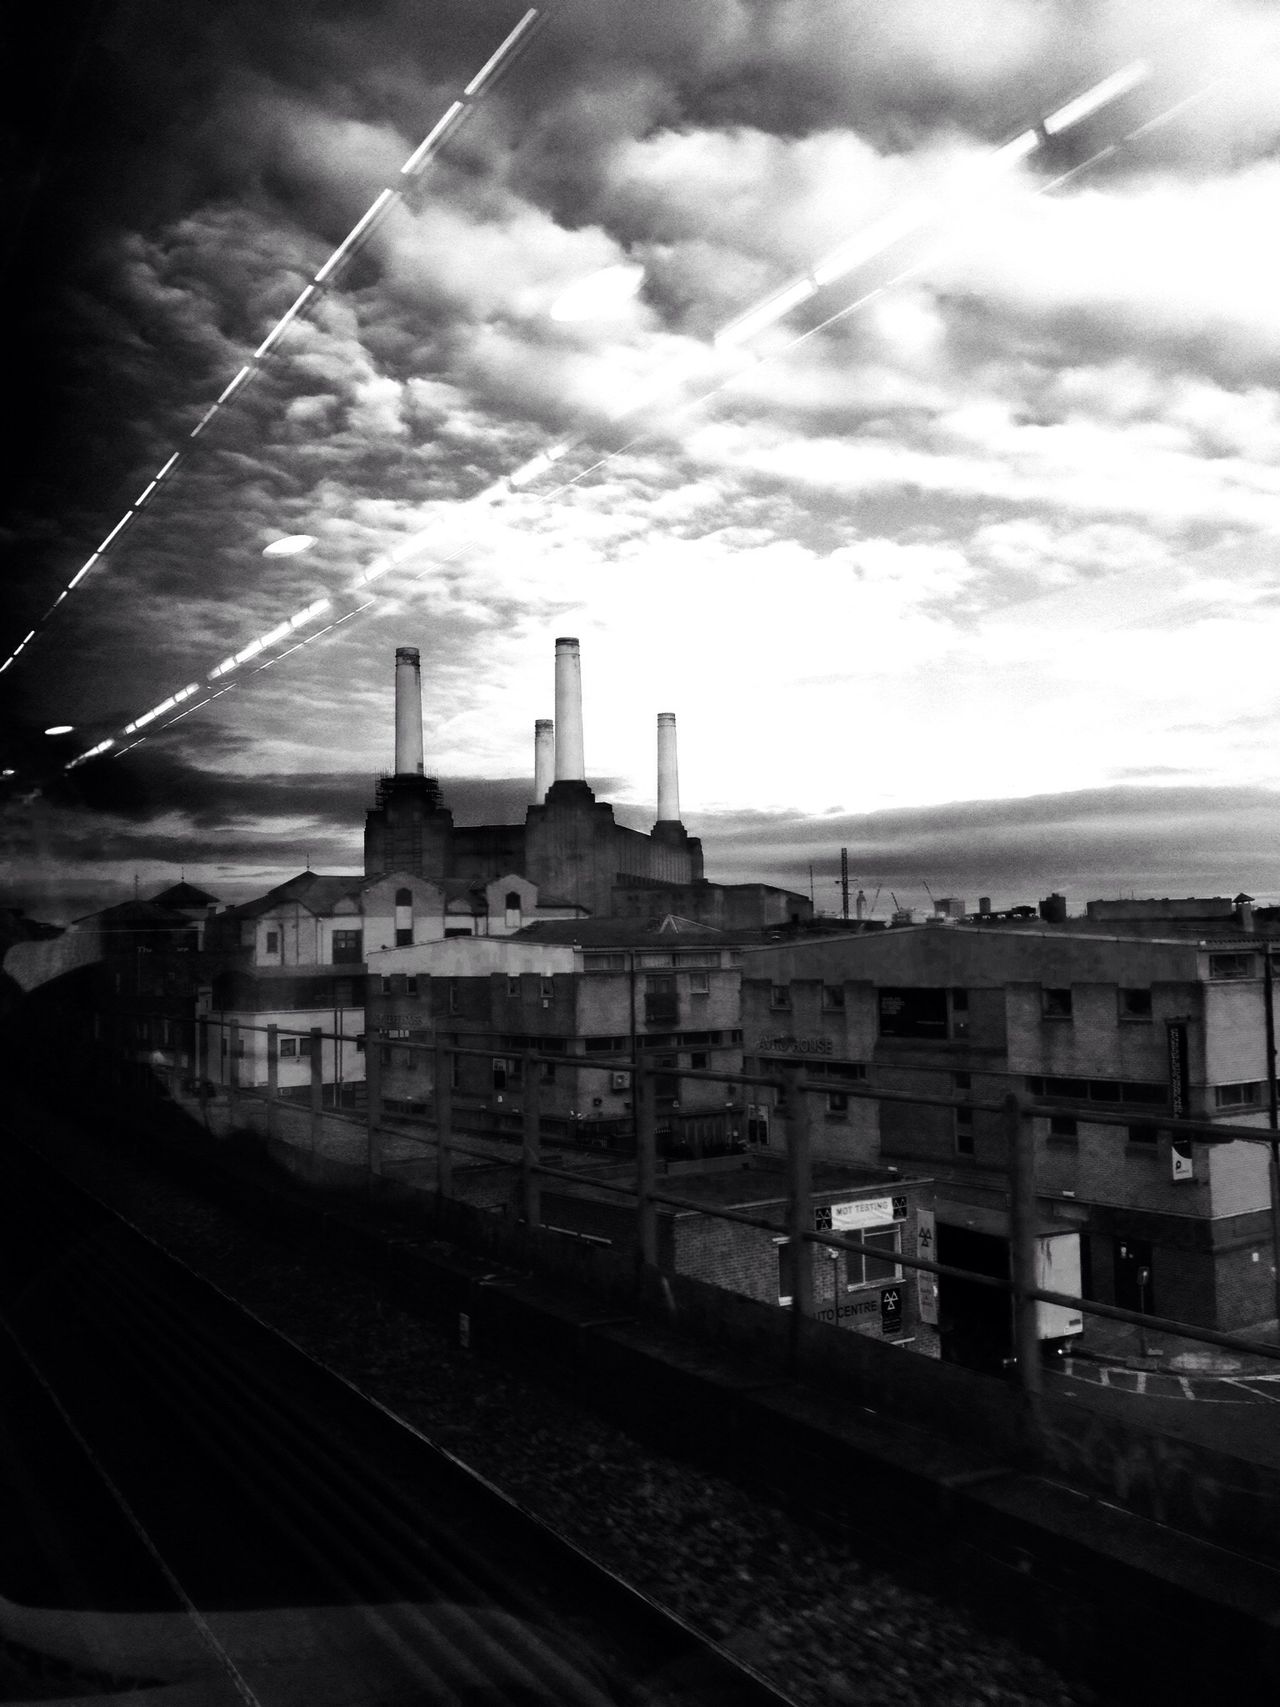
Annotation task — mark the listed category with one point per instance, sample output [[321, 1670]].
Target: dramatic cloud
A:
[[993, 515]]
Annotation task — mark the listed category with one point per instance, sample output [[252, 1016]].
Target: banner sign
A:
[[1182, 1165], [891, 1310], [864, 1212], [926, 1284], [1179, 1079]]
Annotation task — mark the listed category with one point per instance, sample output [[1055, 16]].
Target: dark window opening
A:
[[916, 1013]]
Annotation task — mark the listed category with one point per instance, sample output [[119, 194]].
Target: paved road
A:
[[1222, 1389]]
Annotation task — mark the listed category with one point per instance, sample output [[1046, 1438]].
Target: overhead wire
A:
[[874, 241]]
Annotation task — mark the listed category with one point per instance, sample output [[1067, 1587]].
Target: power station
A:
[[569, 845]]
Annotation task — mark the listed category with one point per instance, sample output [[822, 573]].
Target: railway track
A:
[[198, 1511]]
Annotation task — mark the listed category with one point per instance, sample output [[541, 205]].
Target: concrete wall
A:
[[340, 1061]]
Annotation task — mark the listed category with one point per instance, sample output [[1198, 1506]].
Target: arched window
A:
[[513, 905], [404, 897]]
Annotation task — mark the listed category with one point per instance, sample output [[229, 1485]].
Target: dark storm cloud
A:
[[155, 786], [1094, 842]]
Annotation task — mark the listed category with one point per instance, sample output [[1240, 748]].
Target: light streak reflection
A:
[[327, 273]]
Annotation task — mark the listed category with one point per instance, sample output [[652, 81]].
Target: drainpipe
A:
[[1273, 1118]]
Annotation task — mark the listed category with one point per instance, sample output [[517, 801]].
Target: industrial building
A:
[[1139, 1027], [300, 956], [591, 993], [864, 1292], [570, 848]]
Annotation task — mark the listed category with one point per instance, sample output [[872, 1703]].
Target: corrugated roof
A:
[[619, 933]]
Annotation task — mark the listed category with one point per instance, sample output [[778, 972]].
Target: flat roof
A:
[[760, 1184]]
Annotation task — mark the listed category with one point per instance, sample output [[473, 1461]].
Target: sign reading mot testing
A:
[[862, 1212]]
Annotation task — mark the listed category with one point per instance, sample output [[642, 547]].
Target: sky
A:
[[964, 563]]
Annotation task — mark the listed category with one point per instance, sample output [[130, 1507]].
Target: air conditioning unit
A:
[[620, 1081]]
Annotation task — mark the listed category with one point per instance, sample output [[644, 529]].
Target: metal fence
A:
[[443, 1130]]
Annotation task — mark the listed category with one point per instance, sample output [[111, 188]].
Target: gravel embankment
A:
[[796, 1604]]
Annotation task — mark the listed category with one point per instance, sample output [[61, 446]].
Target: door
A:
[[1133, 1275]]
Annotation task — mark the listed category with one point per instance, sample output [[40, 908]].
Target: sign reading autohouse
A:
[[795, 1046]]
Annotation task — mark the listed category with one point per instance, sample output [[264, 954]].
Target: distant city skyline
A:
[[977, 580]]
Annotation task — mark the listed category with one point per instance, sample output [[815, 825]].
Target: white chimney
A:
[[408, 712], [544, 757], [569, 762], [668, 775]]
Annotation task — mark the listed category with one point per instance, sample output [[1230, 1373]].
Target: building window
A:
[[273, 942], [1144, 1135], [455, 1072], [758, 1123], [288, 1046], [959, 1013], [963, 1124], [304, 1044], [698, 1061], [779, 996], [786, 1271], [411, 986], [546, 1072], [360, 1044], [872, 1269], [511, 910], [347, 946], [506, 1072], [513, 986], [1231, 966], [1099, 1090], [918, 1012], [699, 983], [1237, 1096], [454, 995], [1063, 1126], [838, 1103], [1135, 1004], [404, 936], [1055, 1004], [386, 986], [548, 988], [832, 996], [661, 1006]]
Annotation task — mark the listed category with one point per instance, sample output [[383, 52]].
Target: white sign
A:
[[1181, 1159], [865, 1212], [1058, 1270]]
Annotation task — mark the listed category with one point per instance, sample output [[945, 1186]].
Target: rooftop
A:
[[760, 1182]]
